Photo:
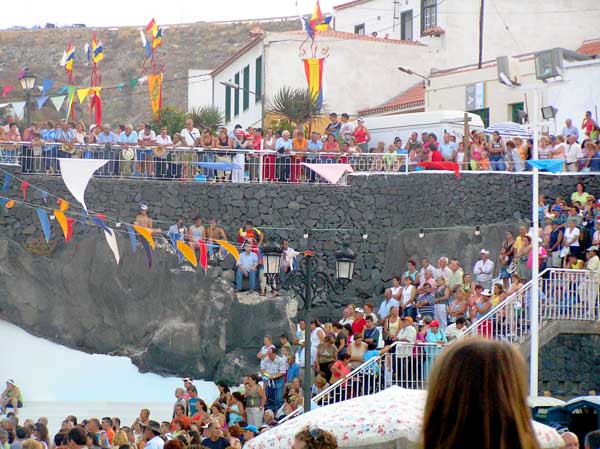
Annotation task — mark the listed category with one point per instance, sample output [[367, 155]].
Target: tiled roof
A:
[[412, 98], [590, 47], [349, 4], [342, 35]]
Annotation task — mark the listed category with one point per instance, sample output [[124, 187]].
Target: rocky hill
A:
[[186, 46]]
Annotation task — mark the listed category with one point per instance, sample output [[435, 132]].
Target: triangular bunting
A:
[[41, 101], [146, 234], [58, 101], [187, 252], [230, 249], [132, 238], [76, 173], [203, 255], [133, 82], [18, 107], [82, 94], [551, 165], [148, 252], [24, 185], [7, 90], [111, 239], [70, 97], [45, 222], [46, 86], [62, 221], [7, 178]]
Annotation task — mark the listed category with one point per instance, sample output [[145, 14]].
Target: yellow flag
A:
[[230, 249], [82, 94], [146, 233], [62, 221], [155, 91], [64, 205], [187, 252]]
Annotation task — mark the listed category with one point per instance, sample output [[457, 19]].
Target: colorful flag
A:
[[68, 58], [58, 101], [203, 255], [82, 94], [146, 234], [157, 41], [152, 27], [325, 25], [313, 68], [148, 252], [230, 249], [7, 177], [41, 101], [24, 185], [88, 52], [96, 103], [45, 222], [132, 238], [145, 44], [155, 91], [70, 97], [6, 90], [317, 16], [97, 50], [46, 86]]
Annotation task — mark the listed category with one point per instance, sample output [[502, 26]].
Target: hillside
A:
[[197, 46]]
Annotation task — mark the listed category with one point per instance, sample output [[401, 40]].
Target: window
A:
[[236, 99], [516, 112], [406, 26], [258, 87], [484, 114], [227, 104], [359, 29], [428, 14], [246, 91]]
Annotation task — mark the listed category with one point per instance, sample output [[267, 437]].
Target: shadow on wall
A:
[[462, 244]]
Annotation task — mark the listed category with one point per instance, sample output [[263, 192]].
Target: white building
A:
[[359, 71], [510, 27], [479, 91]]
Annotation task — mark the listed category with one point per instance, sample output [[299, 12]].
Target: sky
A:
[[139, 12]]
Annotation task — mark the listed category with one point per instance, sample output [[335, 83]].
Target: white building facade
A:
[[511, 27], [358, 72], [479, 91]]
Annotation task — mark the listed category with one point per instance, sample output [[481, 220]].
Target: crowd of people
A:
[[496, 368], [234, 154]]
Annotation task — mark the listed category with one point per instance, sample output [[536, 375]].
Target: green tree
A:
[[171, 117], [296, 105], [207, 117]]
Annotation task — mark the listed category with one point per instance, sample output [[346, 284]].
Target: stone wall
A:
[[570, 365], [391, 208]]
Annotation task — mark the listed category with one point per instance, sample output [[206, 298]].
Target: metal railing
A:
[[194, 164], [563, 295], [405, 364]]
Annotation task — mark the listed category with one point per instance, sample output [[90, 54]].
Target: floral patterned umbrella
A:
[[389, 419]]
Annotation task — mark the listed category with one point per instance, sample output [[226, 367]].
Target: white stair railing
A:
[[564, 295], [404, 364]]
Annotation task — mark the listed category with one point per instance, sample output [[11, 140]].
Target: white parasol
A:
[[390, 419]]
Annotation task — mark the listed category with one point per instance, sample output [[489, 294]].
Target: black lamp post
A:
[[28, 83], [307, 282]]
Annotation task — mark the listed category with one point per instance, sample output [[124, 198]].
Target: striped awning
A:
[[508, 129]]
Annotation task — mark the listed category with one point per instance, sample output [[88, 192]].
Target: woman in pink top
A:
[[331, 145]]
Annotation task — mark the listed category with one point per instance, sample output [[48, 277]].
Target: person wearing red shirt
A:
[[588, 123], [359, 323], [436, 155]]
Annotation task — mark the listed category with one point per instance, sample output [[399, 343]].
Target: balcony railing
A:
[[194, 164]]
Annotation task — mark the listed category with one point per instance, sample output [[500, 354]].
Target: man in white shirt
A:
[[406, 337], [443, 269], [347, 128], [426, 265], [152, 435], [573, 153], [267, 345], [288, 257], [457, 329], [189, 134], [484, 270], [387, 304]]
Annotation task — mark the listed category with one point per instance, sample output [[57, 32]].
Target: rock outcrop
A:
[[170, 320]]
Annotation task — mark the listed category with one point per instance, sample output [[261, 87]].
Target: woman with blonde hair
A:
[[492, 399], [120, 439]]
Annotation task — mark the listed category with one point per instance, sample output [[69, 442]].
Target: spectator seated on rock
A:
[[247, 267]]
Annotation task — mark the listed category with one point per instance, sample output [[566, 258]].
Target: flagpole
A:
[[535, 267]]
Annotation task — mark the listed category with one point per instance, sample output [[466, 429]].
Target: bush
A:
[[171, 117], [206, 117]]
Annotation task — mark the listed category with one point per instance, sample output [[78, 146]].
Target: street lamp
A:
[[235, 86], [307, 282], [28, 83], [412, 72]]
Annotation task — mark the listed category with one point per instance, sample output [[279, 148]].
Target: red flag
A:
[[450, 166], [24, 186], [101, 216], [69, 229], [203, 255]]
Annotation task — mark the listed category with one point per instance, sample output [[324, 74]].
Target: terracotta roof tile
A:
[[590, 47], [349, 4], [410, 98], [342, 35]]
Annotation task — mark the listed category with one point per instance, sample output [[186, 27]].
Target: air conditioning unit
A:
[[508, 70], [549, 64]]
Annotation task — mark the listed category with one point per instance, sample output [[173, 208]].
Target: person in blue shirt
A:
[[47, 135], [127, 138], [105, 139], [570, 130], [246, 268], [283, 146], [293, 369], [314, 147]]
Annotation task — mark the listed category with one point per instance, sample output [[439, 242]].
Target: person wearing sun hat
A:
[[484, 269], [11, 397], [593, 264]]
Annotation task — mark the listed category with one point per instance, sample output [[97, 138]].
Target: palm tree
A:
[[206, 117], [296, 105]]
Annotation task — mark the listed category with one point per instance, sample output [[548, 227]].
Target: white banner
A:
[[18, 108], [76, 174]]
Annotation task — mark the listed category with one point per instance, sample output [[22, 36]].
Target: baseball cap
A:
[[360, 119], [435, 323], [359, 310], [143, 207], [484, 251], [409, 319], [593, 248], [486, 292], [10, 381], [251, 428]]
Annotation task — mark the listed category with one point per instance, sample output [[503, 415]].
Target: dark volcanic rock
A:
[[169, 320]]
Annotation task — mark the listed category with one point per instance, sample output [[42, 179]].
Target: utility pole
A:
[[481, 10]]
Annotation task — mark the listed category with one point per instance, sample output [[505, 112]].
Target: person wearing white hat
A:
[[362, 135], [484, 269], [11, 397], [593, 263]]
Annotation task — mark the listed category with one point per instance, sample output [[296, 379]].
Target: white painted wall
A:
[[357, 74], [253, 115], [200, 90], [556, 23], [578, 93]]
